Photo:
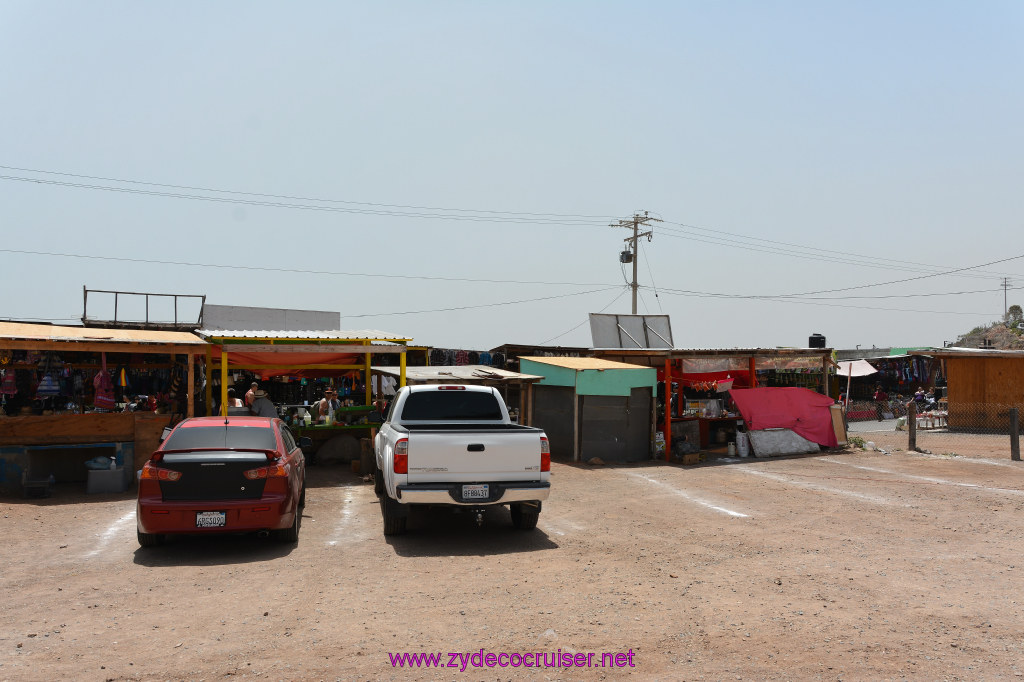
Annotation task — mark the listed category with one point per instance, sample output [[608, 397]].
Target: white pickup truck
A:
[[455, 445]]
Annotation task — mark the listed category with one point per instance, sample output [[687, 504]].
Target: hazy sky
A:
[[448, 170]]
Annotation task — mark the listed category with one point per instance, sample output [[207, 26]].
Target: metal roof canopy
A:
[[956, 352], [459, 373], [583, 363], [630, 331], [24, 336], [308, 341]]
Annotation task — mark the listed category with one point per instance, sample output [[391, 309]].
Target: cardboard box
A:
[[691, 458]]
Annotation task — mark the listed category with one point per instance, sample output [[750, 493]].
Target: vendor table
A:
[[708, 425]]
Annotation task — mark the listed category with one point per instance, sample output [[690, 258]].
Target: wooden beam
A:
[[99, 347], [339, 348], [290, 367]]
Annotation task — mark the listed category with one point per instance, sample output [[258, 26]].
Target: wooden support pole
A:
[[752, 367], [368, 376], [209, 381], [668, 410], [191, 386], [1014, 435], [576, 455], [912, 426], [223, 383]]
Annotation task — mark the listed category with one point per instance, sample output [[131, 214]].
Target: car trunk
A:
[[213, 476]]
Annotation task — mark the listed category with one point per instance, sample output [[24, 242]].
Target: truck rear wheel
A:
[[394, 519], [378, 481], [524, 517]]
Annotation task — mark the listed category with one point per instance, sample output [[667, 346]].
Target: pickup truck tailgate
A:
[[473, 455]]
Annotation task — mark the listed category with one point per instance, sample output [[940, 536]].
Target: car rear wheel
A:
[[291, 534], [150, 539], [378, 481], [302, 497], [394, 520], [525, 517]]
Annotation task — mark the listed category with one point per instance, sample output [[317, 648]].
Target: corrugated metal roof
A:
[[583, 363], [457, 373], [341, 335], [45, 332], [971, 353]]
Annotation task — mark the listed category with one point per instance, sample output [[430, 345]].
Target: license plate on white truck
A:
[[475, 492]]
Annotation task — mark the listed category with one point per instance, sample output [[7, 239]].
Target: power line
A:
[[493, 217], [221, 266], [839, 256], [612, 302], [482, 305]]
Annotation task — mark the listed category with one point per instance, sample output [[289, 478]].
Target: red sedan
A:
[[223, 475]]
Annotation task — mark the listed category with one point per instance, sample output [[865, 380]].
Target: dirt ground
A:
[[847, 565]]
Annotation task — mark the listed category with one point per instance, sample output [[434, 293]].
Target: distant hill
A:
[[997, 335]]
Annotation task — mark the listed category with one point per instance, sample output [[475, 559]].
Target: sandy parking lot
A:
[[847, 565]]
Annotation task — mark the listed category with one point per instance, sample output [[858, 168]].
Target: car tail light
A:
[[545, 454], [152, 473], [273, 471], [401, 463], [157, 456], [451, 388]]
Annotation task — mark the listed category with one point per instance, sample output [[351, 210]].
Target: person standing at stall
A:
[[261, 405], [327, 405], [250, 395], [881, 399]]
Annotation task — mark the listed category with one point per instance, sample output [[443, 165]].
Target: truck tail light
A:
[[545, 454], [401, 459], [153, 473], [451, 388]]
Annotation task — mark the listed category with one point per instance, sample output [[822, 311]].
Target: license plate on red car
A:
[[211, 519], [474, 492]]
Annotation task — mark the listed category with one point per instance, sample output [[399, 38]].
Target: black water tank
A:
[[816, 341]]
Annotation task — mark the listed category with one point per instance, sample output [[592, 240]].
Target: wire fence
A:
[[956, 429]]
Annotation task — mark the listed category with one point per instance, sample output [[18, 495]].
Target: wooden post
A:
[[529, 404], [368, 373], [1014, 435], [191, 386], [223, 382], [209, 381], [668, 410], [575, 426], [752, 366], [912, 426], [522, 404], [401, 370], [824, 374]]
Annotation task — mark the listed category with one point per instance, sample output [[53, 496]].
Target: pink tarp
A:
[[801, 410]]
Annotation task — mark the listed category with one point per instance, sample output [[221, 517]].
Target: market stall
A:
[[694, 388], [294, 367], [63, 391]]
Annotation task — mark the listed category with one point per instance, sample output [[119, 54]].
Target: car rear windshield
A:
[[229, 437], [454, 406]]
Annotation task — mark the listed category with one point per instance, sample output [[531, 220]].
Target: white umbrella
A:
[[854, 368]]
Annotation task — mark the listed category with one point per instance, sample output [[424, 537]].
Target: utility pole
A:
[[635, 222], [1006, 285]]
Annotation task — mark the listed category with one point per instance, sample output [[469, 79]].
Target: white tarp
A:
[[855, 368]]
